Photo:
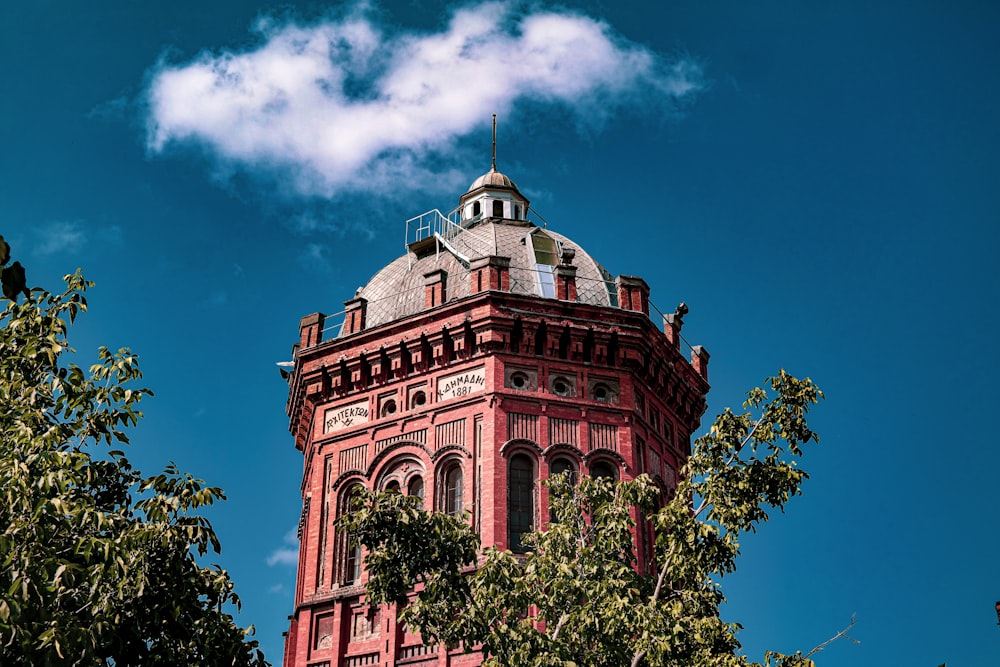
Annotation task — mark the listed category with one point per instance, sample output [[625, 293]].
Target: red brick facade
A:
[[471, 402]]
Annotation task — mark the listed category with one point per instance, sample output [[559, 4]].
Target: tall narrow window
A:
[[348, 554], [558, 466], [416, 488], [603, 469], [546, 256], [561, 465], [451, 490], [640, 455], [497, 208], [520, 501]]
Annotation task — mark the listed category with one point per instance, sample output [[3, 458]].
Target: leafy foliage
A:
[[100, 565], [577, 598]]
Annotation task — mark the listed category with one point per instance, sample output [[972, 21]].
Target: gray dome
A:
[[492, 179], [398, 290]]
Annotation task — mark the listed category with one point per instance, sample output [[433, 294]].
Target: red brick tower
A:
[[491, 355]]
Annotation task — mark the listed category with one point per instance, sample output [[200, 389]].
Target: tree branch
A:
[[842, 634], [701, 508]]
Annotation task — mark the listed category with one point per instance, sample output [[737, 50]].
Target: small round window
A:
[[519, 381], [388, 408], [561, 387], [417, 399], [602, 393]]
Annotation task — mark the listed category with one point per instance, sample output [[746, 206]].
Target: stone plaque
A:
[[336, 419], [461, 384]]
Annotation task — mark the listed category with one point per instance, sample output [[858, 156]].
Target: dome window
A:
[[545, 252], [497, 208], [477, 208]]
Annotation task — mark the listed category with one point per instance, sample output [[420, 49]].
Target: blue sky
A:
[[818, 181]]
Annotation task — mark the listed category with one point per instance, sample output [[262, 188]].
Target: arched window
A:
[[497, 208], [558, 466], [393, 486], [416, 488], [520, 501], [476, 208], [603, 469], [562, 465], [450, 497], [348, 555]]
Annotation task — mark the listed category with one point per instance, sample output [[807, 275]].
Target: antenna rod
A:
[[494, 142]]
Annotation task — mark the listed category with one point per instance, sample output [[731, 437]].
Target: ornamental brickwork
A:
[[467, 372]]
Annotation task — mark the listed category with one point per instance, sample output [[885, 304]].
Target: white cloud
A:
[[283, 556], [344, 105], [62, 236], [70, 236], [286, 555]]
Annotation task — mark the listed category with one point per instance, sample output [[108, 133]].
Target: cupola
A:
[[493, 195]]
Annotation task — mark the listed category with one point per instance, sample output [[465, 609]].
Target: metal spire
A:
[[494, 168]]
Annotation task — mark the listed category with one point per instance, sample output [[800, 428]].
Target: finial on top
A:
[[494, 142]]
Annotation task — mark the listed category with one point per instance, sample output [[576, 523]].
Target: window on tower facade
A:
[[348, 555], [450, 500], [558, 466], [520, 501], [561, 465], [603, 469], [416, 488], [417, 399], [497, 208]]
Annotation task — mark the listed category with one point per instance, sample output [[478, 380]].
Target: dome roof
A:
[[397, 290], [492, 179]]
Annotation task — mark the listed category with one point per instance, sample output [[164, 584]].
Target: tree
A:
[[577, 598], [101, 565]]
